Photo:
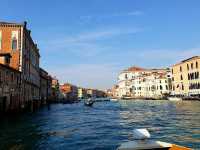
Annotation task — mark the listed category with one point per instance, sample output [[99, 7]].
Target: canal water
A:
[[103, 126]]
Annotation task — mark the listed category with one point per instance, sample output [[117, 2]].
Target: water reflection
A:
[[103, 126], [173, 122]]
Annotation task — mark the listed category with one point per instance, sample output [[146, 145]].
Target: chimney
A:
[[25, 24]]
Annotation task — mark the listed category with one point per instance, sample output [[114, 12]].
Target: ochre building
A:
[[186, 77]]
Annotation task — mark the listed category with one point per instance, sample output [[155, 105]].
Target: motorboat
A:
[[127, 98], [142, 141], [89, 102], [114, 99]]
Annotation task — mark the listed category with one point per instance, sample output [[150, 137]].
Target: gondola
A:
[[89, 102]]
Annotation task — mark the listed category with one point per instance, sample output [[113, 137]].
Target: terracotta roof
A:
[[137, 69], [134, 68]]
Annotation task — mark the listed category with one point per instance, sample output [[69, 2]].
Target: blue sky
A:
[[88, 42]]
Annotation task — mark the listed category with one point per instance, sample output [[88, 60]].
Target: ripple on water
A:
[[103, 126]]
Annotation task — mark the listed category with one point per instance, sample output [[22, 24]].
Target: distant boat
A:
[[174, 98], [127, 98], [89, 102], [142, 142], [114, 99]]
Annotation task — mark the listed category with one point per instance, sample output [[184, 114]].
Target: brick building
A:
[[10, 86], [16, 40], [70, 91]]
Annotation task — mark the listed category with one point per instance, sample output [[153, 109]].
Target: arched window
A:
[[191, 65], [197, 65], [188, 67], [180, 69], [161, 87], [14, 43], [198, 85], [188, 76], [182, 87], [192, 76], [181, 77], [196, 75]]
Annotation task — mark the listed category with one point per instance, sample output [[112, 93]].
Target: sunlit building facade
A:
[[138, 82], [186, 77]]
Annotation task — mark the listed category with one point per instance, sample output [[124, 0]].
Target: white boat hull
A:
[[174, 98], [143, 142], [113, 99]]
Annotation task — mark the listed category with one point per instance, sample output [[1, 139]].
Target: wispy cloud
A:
[[90, 18], [122, 14], [98, 34], [86, 43]]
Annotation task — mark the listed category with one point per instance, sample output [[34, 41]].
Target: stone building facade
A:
[[45, 86], [82, 93], [136, 82], [186, 77]]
